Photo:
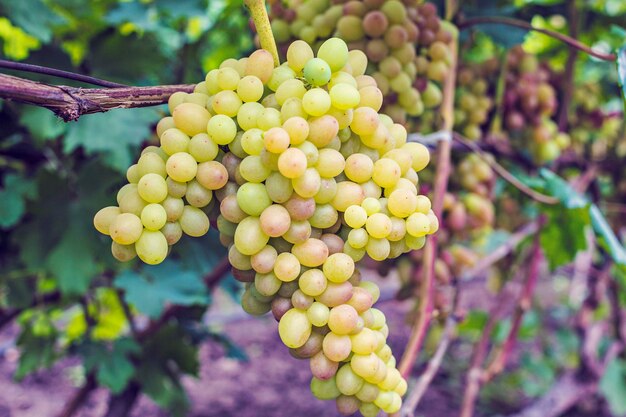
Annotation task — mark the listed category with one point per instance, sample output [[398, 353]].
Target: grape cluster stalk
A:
[[303, 177]]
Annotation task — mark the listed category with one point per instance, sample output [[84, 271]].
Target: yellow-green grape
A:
[[418, 225], [316, 102], [152, 188], [359, 167], [202, 148], [312, 282], [174, 140], [343, 319], [153, 216], [104, 217], [191, 118], [181, 167], [253, 198], [294, 328], [335, 53], [250, 88], [318, 313], [249, 236], [151, 247], [221, 129], [420, 155], [338, 268], [287, 267], [194, 222]]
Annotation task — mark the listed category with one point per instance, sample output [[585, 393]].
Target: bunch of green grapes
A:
[[306, 163], [170, 188], [473, 101], [591, 127], [406, 44], [529, 104]]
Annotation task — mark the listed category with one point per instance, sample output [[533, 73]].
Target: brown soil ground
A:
[[270, 384]]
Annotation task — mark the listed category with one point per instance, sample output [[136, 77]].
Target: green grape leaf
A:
[[161, 367], [563, 236], [37, 351], [112, 365], [606, 237], [150, 289], [34, 16], [13, 195], [117, 134], [613, 386], [42, 124]]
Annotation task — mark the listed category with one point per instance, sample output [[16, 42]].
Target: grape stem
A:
[[69, 103], [571, 42], [263, 27], [510, 178], [444, 146], [20, 66], [477, 376]]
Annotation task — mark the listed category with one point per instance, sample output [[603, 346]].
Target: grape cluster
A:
[[301, 162], [406, 44], [168, 187], [529, 103], [473, 101]]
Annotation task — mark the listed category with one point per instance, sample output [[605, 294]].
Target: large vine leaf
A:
[[13, 196], [152, 288], [117, 134], [34, 16], [613, 386], [112, 364]]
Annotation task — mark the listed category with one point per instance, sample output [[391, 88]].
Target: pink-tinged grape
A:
[[123, 253], [104, 217], [287, 267], [275, 220], [336, 347], [197, 195], [311, 253], [297, 128], [292, 163], [322, 367], [172, 232], [125, 228], [191, 118], [294, 328], [260, 64], [322, 130], [343, 319], [276, 140], [263, 261], [212, 175]]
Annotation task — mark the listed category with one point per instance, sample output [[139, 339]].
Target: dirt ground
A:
[[270, 384]]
